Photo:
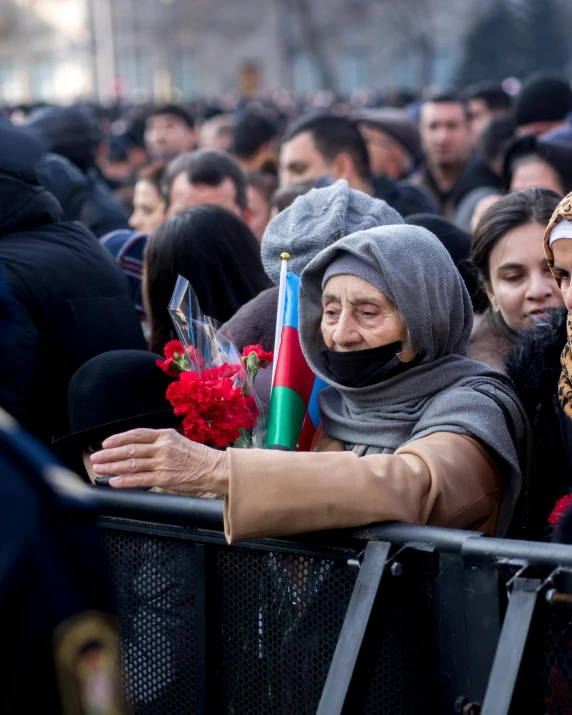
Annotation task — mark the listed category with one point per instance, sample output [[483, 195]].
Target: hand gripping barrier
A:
[[391, 618]]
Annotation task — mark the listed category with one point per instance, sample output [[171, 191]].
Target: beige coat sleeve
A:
[[444, 479]]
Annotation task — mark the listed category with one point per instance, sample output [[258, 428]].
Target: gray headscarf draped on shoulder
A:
[[444, 391]]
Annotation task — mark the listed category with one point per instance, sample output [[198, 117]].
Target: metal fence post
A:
[[354, 629], [510, 647]]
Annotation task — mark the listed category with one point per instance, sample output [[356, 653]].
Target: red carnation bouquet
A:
[[213, 392]]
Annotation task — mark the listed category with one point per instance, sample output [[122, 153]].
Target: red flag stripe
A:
[[292, 369]]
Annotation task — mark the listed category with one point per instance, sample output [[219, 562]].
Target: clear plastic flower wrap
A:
[[214, 392]]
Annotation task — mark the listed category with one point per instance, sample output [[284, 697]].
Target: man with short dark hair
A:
[[205, 177], [255, 143], [327, 148], [485, 100], [447, 146], [169, 131]]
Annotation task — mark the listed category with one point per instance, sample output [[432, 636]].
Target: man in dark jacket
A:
[[73, 133], [325, 145], [70, 299]]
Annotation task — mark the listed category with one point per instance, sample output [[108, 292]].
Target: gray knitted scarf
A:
[[444, 391]]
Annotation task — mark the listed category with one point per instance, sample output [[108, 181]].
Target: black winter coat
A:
[[71, 302], [534, 366], [404, 197]]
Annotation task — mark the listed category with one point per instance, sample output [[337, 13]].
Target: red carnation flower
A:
[[176, 360], [172, 347], [562, 505], [262, 356], [213, 408]]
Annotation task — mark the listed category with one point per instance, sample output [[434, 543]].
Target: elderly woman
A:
[[411, 429]]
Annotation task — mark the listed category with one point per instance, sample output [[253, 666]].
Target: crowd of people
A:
[[433, 241], [431, 303]]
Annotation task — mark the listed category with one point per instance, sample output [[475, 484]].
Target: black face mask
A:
[[365, 367]]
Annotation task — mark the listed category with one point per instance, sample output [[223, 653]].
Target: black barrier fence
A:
[[392, 619]]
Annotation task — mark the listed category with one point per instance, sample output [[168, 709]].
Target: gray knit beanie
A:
[[346, 264], [318, 219]]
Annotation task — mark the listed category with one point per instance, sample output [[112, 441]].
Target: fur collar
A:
[[534, 362]]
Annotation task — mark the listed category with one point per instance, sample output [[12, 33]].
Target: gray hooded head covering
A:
[[444, 391], [317, 219]]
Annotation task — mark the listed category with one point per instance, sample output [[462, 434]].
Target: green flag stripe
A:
[[285, 418]]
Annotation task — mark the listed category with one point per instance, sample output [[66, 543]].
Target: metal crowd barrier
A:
[[393, 618]]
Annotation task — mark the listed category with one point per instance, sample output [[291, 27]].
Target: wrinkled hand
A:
[[161, 458]]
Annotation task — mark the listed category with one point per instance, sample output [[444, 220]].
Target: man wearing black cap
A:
[[544, 103], [70, 298], [169, 131]]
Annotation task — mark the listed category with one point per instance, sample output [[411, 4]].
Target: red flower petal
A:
[[261, 354], [562, 505]]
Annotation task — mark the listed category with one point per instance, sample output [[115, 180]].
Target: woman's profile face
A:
[[521, 285], [562, 250], [148, 208], [358, 316]]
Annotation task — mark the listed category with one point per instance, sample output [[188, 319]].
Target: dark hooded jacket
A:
[[72, 133], [70, 298], [404, 197], [475, 174], [534, 367]]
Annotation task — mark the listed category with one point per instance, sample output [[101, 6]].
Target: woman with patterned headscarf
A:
[[558, 247]]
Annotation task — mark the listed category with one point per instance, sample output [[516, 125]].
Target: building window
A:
[[305, 73], [353, 71], [186, 75], [42, 79], [9, 89], [406, 71], [134, 75], [442, 68]]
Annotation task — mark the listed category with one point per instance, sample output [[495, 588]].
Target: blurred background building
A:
[[142, 50]]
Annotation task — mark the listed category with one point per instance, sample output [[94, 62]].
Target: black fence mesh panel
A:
[[280, 617], [272, 622], [402, 678], [154, 583], [557, 665]]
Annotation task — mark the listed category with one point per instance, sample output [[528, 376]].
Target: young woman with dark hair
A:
[[148, 202], [219, 255], [508, 253]]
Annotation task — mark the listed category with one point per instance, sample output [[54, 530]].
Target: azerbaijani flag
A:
[[294, 415]]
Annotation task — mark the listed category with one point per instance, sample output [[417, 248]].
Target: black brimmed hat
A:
[[115, 392]]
